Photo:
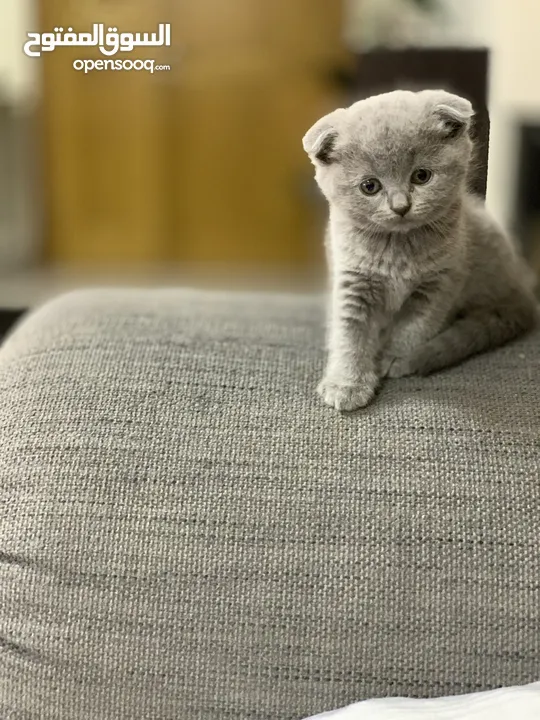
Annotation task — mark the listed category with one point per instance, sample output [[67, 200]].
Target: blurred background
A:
[[196, 175]]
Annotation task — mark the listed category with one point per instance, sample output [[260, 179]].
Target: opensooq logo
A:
[[109, 43]]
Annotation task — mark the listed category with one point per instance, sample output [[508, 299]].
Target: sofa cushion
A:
[[186, 532]]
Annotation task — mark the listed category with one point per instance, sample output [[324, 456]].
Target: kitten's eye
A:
[[421, 176], [371, 186]]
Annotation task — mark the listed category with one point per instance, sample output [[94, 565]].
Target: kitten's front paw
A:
[[348, 397]]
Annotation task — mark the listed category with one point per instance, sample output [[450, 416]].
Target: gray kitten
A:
[[422, 277]]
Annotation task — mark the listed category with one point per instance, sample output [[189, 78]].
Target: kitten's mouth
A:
[[399, 226], [403, 225]]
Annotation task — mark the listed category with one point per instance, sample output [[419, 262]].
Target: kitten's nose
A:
[[401, 210], [401, 205]]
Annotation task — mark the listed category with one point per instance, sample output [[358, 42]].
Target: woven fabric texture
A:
[[187, 533]]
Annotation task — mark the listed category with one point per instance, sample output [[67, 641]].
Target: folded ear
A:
[[320, 140], [454, 114]]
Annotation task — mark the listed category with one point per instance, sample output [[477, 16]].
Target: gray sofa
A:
[[187, 533]]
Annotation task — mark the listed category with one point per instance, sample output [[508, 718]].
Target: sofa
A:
[[188, 533]]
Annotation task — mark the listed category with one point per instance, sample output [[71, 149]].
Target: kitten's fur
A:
[[419, 292]]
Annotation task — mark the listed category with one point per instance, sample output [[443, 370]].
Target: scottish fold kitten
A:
[[421, 276]]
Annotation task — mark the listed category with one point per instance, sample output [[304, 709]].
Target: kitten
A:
[[422, 277]]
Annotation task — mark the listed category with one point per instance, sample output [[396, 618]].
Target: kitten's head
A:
[[396, 161]]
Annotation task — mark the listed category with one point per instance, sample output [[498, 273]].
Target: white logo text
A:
[[109, 43]]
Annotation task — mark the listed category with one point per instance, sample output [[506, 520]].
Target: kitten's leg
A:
[[424, 315], [472, 333], [350, 379]]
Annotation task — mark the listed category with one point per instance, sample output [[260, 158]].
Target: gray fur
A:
[[421, 276]]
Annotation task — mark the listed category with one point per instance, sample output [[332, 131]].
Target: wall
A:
[[18, 201], [468, 21], [511, 30], [515, 93], [17, 71]]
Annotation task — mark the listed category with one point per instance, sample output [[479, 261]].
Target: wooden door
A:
[[200, 164]]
